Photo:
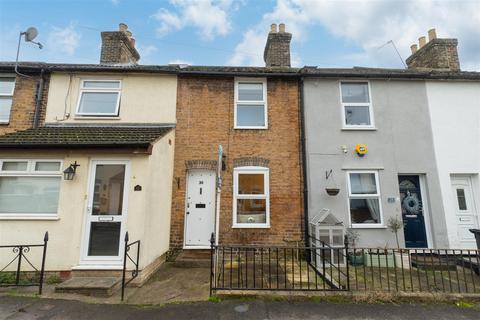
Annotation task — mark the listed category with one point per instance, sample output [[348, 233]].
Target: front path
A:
[[20, 308]]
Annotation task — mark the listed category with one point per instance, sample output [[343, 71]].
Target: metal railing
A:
[[35, 276], [275, 268], [127, 257], [321, 267]]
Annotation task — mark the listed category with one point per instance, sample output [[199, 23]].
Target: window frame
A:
[[266, 181], [377, 195], [238, 81], [346, 126], [8, 76], [103, 90], [31, 172]]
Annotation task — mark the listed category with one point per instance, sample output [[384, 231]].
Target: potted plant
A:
[[356, 257], [394, 224], [331, 190]]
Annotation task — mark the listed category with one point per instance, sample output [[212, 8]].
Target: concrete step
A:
[[193, 259], [90, 286]]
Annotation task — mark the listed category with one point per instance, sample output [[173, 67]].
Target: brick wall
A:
[[23, 104], [205, 120], [438, 54], [117, 48]]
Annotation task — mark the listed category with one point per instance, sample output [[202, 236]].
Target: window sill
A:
[[250, 128], [359, 129], [29, 217], [368, 226], [250, 226], [80, 117]]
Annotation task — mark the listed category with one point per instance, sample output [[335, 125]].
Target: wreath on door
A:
[[411, 204]]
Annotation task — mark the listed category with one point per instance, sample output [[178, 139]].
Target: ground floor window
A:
[[29, 187], [364, 199], [251, 207]]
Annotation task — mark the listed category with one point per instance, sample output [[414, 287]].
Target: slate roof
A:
[[85, 136], [307, 71]]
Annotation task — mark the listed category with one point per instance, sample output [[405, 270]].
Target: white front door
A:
[[465, 211], [106, 213], [200, 208]]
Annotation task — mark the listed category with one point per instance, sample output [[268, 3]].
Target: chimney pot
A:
[[273, 28], [414, 48], [422, 41], [122, 27], [281, 27], [132, 41], [432, 34], [129, 34]]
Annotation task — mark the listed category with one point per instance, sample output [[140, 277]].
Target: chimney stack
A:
[[277, 49], [118, 47], [436, 54]]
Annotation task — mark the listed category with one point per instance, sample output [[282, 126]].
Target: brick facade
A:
[[205, 115], [23, 105]]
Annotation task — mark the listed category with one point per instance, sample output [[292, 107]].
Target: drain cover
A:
[[241, 308]]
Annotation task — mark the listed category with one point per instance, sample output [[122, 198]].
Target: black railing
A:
[[135, 261], [33, 277], [321, 267], [275, 268]]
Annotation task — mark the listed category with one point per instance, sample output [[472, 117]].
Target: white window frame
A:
[[263, 81], [110, 90], [365, 196], [8, 76], [266, 180], [30, 172], [346, 126]]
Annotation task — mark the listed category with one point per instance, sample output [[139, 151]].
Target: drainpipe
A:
[[304, 162], [38, 99]]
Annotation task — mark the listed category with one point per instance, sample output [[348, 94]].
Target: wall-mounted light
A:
[[69, 173]]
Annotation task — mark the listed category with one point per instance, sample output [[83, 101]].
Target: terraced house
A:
[[100, 165]]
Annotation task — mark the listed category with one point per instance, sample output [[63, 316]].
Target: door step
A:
[[90, 286], [193, 259]]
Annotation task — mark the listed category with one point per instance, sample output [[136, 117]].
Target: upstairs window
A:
[[7, 86], [250, 104], [356, 105], [99, 98], [364, 199], [251, 205]]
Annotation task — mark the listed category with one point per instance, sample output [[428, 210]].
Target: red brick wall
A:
[[23, 104], [205, 107]]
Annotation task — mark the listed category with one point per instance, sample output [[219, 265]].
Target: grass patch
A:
[[215, 299], [54, 279]]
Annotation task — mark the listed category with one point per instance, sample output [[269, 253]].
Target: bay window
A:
[[364, 199], [251, 205], [29, 188]]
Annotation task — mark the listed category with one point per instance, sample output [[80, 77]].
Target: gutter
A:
[[38, 98], [304, 163]]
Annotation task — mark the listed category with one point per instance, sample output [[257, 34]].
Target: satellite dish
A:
[[31, 34]]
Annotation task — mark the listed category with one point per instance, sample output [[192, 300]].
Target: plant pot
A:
[[402, 260], [332, 191], [380, 259], [356, 260]]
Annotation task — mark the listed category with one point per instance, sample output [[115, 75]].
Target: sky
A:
[[233, 32]]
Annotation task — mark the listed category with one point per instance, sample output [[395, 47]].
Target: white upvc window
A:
[[251, 103], [99, 98], [29, 189], [7, 87], [251, 197], [357, 110], [364, 203]]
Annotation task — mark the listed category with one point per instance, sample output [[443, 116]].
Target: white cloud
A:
[[210, 17], [65, 40], [180, 61], [370, 24], [115, 2]]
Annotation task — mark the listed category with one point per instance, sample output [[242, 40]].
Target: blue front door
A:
[[412, 212]]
